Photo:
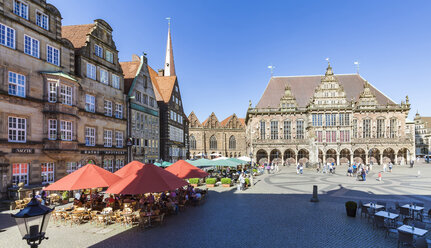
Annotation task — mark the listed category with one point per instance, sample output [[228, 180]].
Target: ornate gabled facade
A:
[[422, 135], [173, 121], [214, 138], [329, 118]]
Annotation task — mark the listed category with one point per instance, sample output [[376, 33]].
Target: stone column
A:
[[396, 159], [366, 158], [381, 158], [296, 159], [351, 158], [324, 158], [338, 159]]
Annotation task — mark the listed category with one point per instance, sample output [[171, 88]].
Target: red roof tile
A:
[[129, 70], [77, 34]]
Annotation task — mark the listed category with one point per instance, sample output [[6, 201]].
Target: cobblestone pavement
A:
[[276, 212]]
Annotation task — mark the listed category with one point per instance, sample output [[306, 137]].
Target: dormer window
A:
[[42, 20], [109, 56], [20, 8]]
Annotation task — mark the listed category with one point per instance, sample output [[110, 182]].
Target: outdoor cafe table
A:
[[375, 206], [413, 208], [409, 229], [384, 214]]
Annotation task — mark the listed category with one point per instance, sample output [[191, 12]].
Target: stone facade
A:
[[330, 118], [422, 135], [101, 102], [34, 54], [213, 138], [143, 112]]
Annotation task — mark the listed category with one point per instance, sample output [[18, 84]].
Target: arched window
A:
[[192, 142], [213, 143], [232, 143]]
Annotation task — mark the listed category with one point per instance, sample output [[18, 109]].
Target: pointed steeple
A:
[[169, 60]]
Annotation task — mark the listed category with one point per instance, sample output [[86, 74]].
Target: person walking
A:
[[379, 176], [390, 167], [268, 168], [297, 168], [364, 175], [272, 167], [384, 167], [241, 181], [301, 169]]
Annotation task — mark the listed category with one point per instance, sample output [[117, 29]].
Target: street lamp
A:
[[32, 222]]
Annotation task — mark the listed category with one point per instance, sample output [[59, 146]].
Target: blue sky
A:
[[222, 47]]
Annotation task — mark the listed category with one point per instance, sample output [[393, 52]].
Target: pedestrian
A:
[[297, 168], [390, 167], [268, 168], [301, 169], [384, 167], [412, 162], [272, 167], [349, 171], [379, 176], [241, 181]]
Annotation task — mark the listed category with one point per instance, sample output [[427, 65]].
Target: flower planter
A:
[[226, 185], [351, 212], [194, 185], [210, 185]]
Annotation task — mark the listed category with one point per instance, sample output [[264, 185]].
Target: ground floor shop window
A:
[[119, 164], [20, 173], [72, 166], [108, 165], [47, 172]]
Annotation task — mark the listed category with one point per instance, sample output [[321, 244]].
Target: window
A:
[[319, 137], [274, 130], [98, 50], [52, 90], [176, 88], [119, 139], [138, 96], [115, 81], [331, 136], [232, 143], [47, 172], [108, 164], [366, 132], [213, 143], [145, 98], [107, 138], [90, 103], [71, 167], [7, 36], [109, 56], [31, 46], [192, 142], [344, 119], [355, 128], [119, 164], [21, 9], [392, 128], [262, 130], [119, 111], [52, 129], [345, 136], [287, 130], [300, 129], [317, 119], [90, 136], [176, 134], [380, 128], [17, 129], [42, 20], [104, 76], [16, 84], [151, 102], [53, 55], [91, 71], [330, 119], [20, 173], [66, 94], [108, 108], [66, 130]]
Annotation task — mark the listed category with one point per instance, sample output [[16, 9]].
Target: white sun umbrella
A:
[[245, 158], [220, 158]]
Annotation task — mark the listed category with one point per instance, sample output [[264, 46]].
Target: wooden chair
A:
[[75, 219], [158, 218], [405, 238]]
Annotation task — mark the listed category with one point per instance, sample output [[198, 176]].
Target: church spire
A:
[[169, 60]]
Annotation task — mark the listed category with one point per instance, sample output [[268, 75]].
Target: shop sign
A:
[[113, 152], [91, 152], [23, 150]]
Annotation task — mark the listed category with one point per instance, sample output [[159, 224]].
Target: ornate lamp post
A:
[[32, 222]]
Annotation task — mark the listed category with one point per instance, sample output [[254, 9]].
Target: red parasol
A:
[[86, 177], [148, 179], [129, 168], [185, 170]]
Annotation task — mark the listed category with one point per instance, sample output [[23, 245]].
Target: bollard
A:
[[314, 198]]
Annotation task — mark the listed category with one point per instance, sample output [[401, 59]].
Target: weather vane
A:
[[357, 66], [271, 67], [169, 21]]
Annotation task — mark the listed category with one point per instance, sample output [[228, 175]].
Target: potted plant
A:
[[226, 182], [210, 182], [194, 182], [351, 207], [247, 182]]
